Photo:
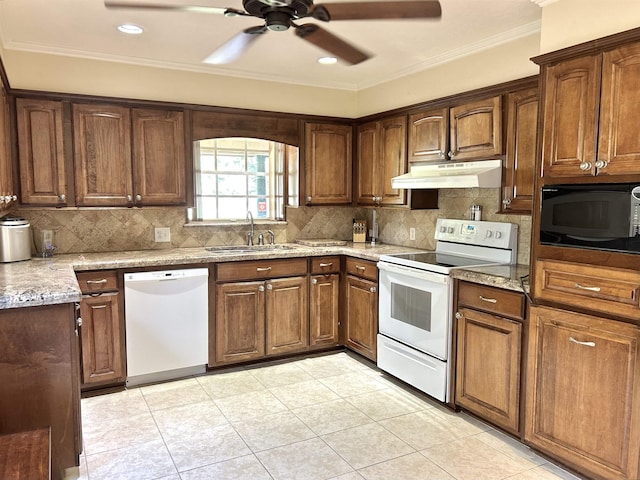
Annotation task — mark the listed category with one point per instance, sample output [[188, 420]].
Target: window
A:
[[239, 175]]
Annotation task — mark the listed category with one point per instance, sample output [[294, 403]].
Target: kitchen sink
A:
[[224, 249]]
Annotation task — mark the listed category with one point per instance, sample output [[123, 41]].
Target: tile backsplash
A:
[[116, 229]]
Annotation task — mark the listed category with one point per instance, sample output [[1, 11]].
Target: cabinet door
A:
[[41, 152], [103, 360], [569, 103], [361, 325], [239, 328], [287, 315], [102, 152], [393, 159], [476, 129], [520, 164], [428, 135], [324, 310], [368, 158], [583, 403], [328, 163], [488, 367], [618, 139], [6, 170], [158, 157]]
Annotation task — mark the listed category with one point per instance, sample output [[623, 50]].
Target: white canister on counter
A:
[[475, 212]]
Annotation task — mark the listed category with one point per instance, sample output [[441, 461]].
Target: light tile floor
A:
[[322, 417]]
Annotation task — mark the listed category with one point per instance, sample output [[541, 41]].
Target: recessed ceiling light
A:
[[130, 29], [327, 60]]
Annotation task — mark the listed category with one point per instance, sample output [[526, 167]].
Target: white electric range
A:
[[416, 299]]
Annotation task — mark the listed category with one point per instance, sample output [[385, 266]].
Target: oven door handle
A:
[[433, 277]]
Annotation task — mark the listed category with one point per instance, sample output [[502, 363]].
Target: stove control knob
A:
[[489, 233], [498, 234], [449, 229], [443, 229]]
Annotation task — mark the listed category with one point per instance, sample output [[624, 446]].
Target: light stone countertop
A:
[[501, 276], [51, 281]]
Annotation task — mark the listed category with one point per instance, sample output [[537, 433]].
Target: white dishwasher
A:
[[166, 316]]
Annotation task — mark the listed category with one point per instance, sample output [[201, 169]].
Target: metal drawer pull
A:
[[586, 344], [485, 299], [263, 269], [360, 267], [330, 264], [591, 289], [96, 282]]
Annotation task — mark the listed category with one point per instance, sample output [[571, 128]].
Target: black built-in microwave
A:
[[597, 216]]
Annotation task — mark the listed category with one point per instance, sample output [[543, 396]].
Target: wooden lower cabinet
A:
[[287, 320], [361, 322], [324, 310], [239, 332], [39, 378], [488, 367], [583, 403], [102, 334]]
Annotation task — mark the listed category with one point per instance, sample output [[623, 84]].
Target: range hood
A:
[[482, 174]]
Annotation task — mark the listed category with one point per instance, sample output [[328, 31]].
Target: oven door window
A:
[[411, 306]]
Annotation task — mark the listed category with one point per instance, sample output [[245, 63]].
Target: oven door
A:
[[415, 308]]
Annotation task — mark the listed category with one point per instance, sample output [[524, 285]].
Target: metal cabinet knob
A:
[[309, 199], [62, 197], [78, 322], [314, 281], [269, 286], [584, 166], [442, 155], [373, 289], [601, 164], [129, 198], [506, 202], [138, 198], [261, 288], [451, 154], [459, 315]]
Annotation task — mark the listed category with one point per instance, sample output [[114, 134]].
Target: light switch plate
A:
[[162, 234]]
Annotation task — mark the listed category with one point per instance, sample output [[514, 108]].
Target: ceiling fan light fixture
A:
[[130, 29], [327, 60]]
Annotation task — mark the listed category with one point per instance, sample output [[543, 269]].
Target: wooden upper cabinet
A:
[[476, 129], [158, 157], [569, 119], [115, 168], [41, 152], [522, 128], [7, 191], [618, 139], [328, 164], [429, 135], [102, 151], [382, 155]]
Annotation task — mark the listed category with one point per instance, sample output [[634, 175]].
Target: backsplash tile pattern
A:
[[109, 230]]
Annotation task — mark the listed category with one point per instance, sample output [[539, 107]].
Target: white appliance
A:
[[480, 174], [166, 315], [416, 299]]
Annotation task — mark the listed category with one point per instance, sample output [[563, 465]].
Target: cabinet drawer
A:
[[603, 289], [495, 300], [320, 265], [257, 269], [97, 281], [362, 268]]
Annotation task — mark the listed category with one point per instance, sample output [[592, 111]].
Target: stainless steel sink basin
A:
[[238, 249]]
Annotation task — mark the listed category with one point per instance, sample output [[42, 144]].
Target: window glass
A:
[[236, 175]]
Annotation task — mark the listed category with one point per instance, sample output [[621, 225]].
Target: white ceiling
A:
[[181, 40]]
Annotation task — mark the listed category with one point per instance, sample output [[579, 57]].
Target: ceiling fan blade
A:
[[235, 47], [160, 6], [377, 10], [320, 37]]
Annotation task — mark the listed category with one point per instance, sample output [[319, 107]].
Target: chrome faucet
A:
[[272, 237], [250, 234]]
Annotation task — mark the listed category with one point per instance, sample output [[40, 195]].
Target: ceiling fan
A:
[[279, 15]]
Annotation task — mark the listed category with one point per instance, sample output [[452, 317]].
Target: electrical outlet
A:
[[163, 234], [412, 233]]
